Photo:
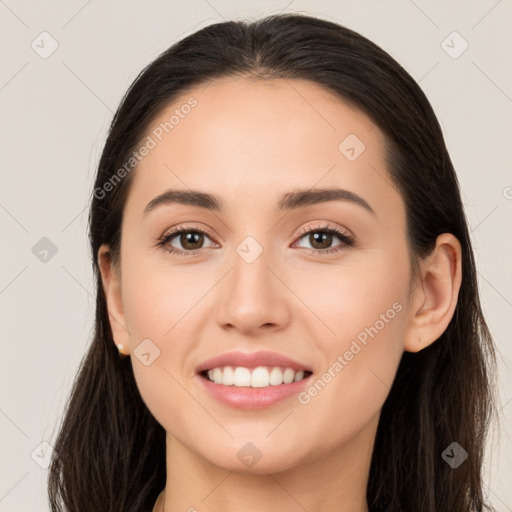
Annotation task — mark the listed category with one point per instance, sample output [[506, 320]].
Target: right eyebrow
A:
[[187, 197]]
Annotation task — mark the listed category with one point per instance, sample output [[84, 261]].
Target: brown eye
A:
[[191, 240], [184, 241], [321, 239]]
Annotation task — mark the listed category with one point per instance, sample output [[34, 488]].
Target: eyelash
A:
[[347, 240]]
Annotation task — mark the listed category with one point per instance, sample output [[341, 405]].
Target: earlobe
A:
[[111, 280], [435, 298]]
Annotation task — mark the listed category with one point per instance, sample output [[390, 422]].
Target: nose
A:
[[253, 297]]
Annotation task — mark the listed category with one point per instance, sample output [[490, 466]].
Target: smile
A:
[[259, 377]]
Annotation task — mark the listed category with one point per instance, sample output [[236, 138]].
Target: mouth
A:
[[258, 377], [253, 380]]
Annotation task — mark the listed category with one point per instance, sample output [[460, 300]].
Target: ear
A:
[[435, 296], [111, 280]]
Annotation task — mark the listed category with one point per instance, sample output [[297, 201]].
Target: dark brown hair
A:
[[110, 452]]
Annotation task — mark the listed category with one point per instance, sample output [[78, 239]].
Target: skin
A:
[[249, 142]]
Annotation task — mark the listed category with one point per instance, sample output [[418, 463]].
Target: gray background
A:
[[54, 115]]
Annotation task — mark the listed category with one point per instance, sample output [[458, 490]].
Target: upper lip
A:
[[251, 360]]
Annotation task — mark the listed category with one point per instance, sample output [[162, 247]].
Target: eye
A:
[[191, 240], [322, 237]]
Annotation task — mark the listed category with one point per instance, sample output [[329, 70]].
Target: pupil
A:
[[319, 238], [189, 239]]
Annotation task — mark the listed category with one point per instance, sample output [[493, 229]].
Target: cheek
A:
[[160, 299], [364, 307], [360, 364], [159, 306], [347, 299]]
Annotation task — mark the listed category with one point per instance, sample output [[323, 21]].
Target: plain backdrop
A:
[[55, 110]]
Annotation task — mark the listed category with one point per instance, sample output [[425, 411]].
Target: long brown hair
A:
[[110, 451]]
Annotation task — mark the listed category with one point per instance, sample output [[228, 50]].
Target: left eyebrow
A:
[[289, 201], [308, 197]]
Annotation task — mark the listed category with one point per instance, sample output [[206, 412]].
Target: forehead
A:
[[244, 138]]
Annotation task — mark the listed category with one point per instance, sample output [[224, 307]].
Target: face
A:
[[323, 282]]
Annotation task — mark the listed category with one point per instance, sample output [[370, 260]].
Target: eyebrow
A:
[[289, 201]]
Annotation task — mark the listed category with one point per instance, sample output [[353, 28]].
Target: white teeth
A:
[[228, 376], [242, 377], [217, 375], [260, 377], [288, 375], [276, 376]]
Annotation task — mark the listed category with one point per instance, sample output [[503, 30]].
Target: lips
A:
[[252, 360]]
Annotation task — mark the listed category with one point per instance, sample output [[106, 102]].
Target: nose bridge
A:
[[252, 296], [251, 266]]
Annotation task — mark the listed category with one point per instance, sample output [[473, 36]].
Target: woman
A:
[[280, 247]]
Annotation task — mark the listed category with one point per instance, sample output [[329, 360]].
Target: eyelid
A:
[[324, 225]]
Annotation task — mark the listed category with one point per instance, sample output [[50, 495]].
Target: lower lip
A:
[[244, 397]]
